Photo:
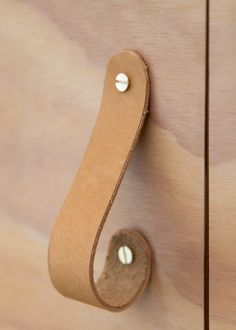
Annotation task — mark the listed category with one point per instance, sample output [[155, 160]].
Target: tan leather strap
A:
[[76, 232]]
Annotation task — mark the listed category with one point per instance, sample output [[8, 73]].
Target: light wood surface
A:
[[222, 165], [52, 60]]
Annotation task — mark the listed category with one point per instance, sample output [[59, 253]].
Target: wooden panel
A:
[[222, 165], [53, 56]]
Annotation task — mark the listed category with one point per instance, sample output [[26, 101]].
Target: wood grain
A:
[[222, 165], [52, 61]]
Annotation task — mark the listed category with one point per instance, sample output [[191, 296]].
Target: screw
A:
[[125, 255], [122, 82]]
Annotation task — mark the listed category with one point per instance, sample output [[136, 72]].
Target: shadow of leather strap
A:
[[77, 229]]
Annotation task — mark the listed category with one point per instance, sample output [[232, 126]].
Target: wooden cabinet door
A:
[[52, 57], [222, 151]]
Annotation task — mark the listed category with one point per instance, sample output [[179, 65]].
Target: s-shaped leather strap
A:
[[78, 227]]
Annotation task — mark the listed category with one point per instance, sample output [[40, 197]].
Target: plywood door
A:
[[222, 150], [52, 60]]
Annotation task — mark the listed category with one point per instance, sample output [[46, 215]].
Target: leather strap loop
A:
[[77, 229]]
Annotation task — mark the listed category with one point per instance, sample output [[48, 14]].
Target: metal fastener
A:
[[125, 255], [122, 82]]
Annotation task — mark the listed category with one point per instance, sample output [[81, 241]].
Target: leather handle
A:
[[77, 229]]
